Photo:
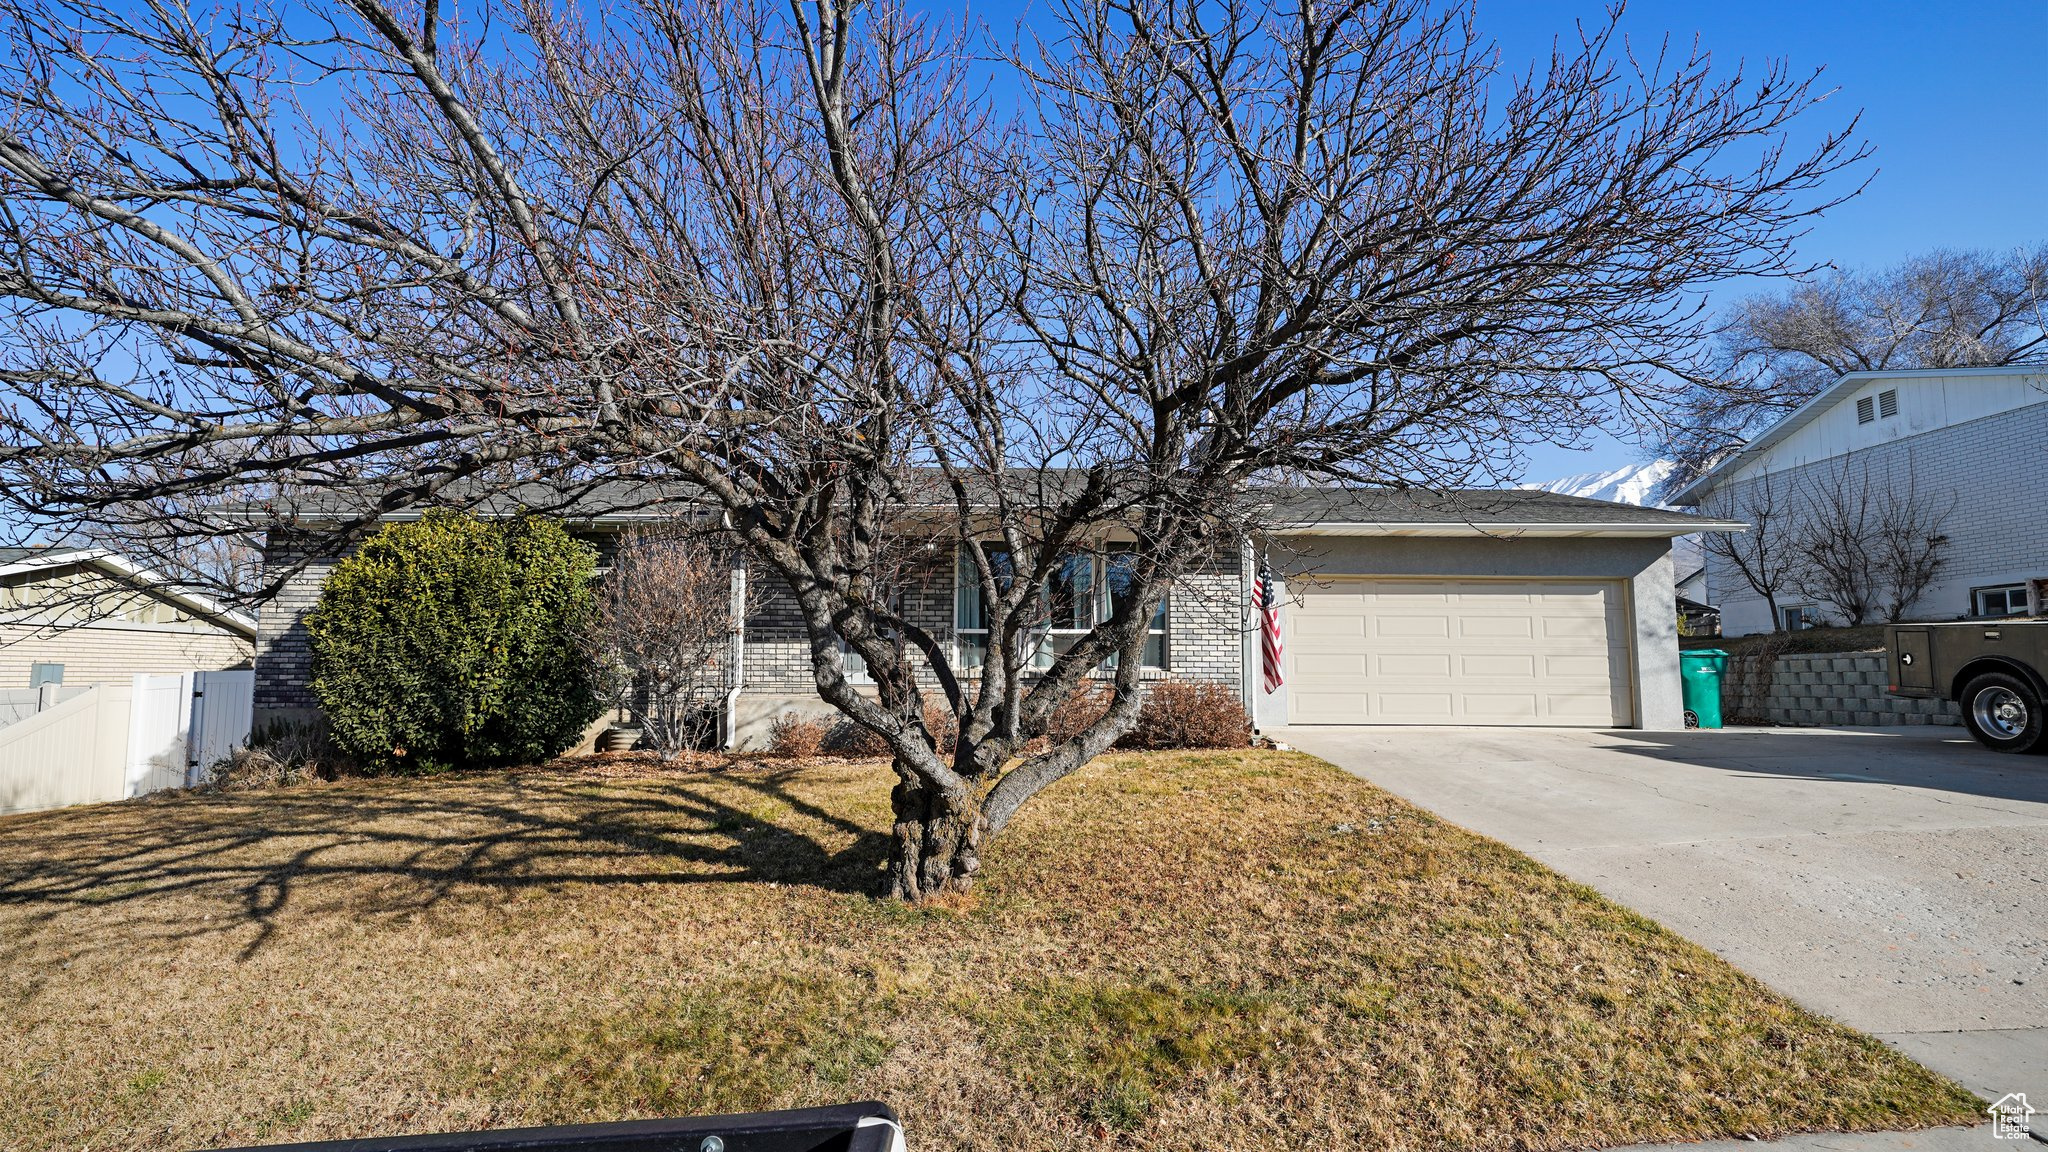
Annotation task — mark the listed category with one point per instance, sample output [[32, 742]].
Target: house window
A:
[[1866, 410], [41, 674], [2003, 600], [1082, 591], [856, 664], [1798, 617]]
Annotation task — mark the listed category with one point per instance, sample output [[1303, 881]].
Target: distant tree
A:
[[1937, 310]]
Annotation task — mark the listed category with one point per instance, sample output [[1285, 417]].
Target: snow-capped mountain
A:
[[1630, 484], [1633, 484]]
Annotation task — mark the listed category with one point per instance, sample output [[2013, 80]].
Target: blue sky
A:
[[1954, 100]]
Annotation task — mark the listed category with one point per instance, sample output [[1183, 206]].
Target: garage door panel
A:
[[1415, 707], [1593, 708], [1497, 627], [1557, 666], [1410, 627], [1516, 666], [1432, 665], [1409, 651], [1325, 665]]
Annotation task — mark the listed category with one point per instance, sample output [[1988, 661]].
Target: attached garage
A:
[[1551, 653], [1515, 608]]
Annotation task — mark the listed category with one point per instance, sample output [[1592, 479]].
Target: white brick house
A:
[[1514, 607], [1972, 441]]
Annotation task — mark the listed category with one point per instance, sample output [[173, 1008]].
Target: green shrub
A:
[[453, 642]]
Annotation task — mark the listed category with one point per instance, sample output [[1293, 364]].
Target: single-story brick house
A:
[[1402, 607]]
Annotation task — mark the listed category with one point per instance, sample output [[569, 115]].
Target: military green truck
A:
[[1997, 670]]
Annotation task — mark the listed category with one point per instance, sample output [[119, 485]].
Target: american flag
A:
[[1267, 605]]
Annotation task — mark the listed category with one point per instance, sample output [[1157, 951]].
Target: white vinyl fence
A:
[[114, 741]]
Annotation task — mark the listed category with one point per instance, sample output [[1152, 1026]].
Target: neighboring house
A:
[[1969, 442], [78, 616], [1404, 607]]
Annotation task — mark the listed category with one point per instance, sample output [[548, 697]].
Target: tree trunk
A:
[[936, 845]]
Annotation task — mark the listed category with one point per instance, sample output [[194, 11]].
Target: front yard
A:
[[1225, 950]]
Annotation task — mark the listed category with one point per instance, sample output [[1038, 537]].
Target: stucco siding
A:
[[1994, 469]]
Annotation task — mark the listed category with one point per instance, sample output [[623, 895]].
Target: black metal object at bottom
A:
[[863, 1127]]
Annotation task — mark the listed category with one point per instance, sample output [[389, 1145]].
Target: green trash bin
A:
[[1699, 671]]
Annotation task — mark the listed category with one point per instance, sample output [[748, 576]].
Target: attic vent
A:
[[1866, 410], [1888, 403]]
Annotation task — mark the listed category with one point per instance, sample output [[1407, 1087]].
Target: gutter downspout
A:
[[737, 672], [1246, 556]]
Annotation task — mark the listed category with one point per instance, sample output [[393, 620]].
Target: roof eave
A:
[[1548, 530], [115, 563]]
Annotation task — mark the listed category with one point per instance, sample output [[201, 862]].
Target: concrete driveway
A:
[[1895, 879]]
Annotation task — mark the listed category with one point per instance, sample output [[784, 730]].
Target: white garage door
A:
[[1371, 651]]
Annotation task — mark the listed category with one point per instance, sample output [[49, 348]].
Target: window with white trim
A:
[[1083, 590], [2001, 600], [1798, 617]]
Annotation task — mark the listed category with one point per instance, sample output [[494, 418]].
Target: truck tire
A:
[[2004, 713]]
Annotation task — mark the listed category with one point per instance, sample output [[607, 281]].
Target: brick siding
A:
[[284, 656], [1205, 628]]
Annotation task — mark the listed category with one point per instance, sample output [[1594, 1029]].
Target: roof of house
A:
[[35, 558], [1472, 512], [1820, 402], [1289, 510]]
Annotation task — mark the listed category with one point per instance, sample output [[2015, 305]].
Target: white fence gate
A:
[[86, 744], [159, 720], [223, 707]]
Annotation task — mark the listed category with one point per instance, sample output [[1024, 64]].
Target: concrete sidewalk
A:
[[1931, 1140], [1895, 879]]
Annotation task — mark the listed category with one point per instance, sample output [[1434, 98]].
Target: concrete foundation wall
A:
[[1830, 690]]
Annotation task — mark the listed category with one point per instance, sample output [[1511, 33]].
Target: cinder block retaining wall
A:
[[1831, 689]]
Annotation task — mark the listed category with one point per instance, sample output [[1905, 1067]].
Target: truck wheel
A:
[[2004, 713]]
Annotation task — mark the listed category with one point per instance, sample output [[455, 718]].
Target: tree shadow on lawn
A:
[[206, 863]]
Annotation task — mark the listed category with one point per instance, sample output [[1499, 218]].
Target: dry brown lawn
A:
[[1219, 950]]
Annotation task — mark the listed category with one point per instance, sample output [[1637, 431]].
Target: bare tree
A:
[[1911, 542], [667, 613], [1937, 310], [1871, 544], [1768, 555], [786, 261], [1837, 533]]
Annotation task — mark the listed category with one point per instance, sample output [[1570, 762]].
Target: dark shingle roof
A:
[[1471, 509], [1286, 508]]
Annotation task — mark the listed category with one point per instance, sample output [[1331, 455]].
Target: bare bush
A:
[[796, 736], [1077, 712], [1768, 556], [667, 614], [1184, 714]]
